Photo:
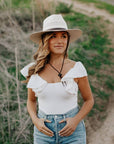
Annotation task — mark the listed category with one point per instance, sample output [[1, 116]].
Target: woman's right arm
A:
[[32, 109], [32, 105]]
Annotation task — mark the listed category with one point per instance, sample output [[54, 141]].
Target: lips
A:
[[58, 46]]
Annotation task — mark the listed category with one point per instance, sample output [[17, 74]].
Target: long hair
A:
[[42, 55]]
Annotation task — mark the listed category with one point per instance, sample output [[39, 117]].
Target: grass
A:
[[100, 5], [63, 8], [110, 83], [94, 38], [102, 95], [21, 3], [15, 4]]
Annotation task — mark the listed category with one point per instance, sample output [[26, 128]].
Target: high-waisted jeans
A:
[[77, 137]]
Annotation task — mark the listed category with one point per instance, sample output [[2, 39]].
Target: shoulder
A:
[[70, 62], [77, 67]]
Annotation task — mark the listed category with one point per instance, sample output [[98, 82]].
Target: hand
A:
[[42, 128], [69, 127]]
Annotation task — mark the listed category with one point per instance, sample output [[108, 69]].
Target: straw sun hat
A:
[[54, 23]]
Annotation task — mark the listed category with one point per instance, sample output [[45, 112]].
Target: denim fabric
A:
[[78, 136]]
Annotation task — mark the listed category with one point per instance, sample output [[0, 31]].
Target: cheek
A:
[[50, 44], [65, 42]]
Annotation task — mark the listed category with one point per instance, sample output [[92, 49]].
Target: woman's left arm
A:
[[86, 93]]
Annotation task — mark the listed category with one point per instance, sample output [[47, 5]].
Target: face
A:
[[58, 42]]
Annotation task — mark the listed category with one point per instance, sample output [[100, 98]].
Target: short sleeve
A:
[[77, 71], [82, 70], [32, 82], [24, 70], [36, 83]]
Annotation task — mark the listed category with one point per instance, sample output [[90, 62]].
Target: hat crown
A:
[[54, 21]]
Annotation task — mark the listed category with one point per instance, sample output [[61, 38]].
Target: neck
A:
[[56, 59]]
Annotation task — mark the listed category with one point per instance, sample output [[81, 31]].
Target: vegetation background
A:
[[95, 49]]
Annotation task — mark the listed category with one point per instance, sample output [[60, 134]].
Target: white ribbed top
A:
[[60, 97]]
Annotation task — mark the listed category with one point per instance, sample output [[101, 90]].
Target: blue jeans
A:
[[77, 137]]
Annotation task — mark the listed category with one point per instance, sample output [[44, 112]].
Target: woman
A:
[[54, 79]]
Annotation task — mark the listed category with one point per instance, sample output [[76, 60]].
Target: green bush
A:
[[63, 8]]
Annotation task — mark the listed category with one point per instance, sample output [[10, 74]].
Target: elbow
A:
[[92, 102]]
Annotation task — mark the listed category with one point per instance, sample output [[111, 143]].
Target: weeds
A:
[[63, 8], [110, 83]]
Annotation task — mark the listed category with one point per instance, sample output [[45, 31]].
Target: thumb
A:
[[62, 121], [48, 121]]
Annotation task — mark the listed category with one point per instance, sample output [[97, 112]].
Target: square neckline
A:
[[62, 77]]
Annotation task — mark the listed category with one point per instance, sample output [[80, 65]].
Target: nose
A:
[[59, 39]]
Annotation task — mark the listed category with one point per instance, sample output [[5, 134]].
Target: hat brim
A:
[[74, 34]]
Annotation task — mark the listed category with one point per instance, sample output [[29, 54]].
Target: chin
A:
[[60, 53]]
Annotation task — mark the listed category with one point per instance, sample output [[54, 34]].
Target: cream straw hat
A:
[[53, 23]]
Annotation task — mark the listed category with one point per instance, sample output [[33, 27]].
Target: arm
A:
[[32, 105], [86, 93], [32, 108]]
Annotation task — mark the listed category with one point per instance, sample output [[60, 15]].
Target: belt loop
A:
[[45, 117], [64, 117]]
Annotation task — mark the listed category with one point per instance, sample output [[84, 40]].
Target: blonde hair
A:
[[42, 55]]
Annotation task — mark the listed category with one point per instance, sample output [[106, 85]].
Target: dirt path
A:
[[105, 134], [90, 10]]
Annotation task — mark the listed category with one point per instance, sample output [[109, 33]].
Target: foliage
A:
[[63, 8], [93, 48], [110, 83]]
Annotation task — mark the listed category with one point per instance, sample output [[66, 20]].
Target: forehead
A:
[[60, 32]]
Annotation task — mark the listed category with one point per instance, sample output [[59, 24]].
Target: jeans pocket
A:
[[83, 123]]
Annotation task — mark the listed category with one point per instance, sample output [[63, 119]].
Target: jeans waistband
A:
[[70, 113]]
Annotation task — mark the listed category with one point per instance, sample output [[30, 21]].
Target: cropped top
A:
[[60, 97]]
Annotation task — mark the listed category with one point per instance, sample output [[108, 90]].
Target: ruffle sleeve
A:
[[77, 71], [36, 83], [24, 70]]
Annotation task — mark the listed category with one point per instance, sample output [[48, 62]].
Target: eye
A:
[[53, 36], [64, 36]]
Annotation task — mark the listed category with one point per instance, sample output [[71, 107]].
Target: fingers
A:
[[64, 129], [62, 121], [47, 131], [47, 121], [67, 132]]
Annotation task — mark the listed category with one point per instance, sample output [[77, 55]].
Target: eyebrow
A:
[[62, 33]]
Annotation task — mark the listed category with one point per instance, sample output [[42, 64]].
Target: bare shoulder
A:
[[70, 62]]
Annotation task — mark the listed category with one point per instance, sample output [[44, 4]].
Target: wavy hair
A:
[[42, 55]]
